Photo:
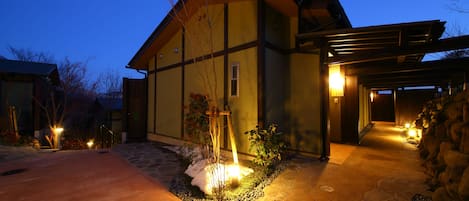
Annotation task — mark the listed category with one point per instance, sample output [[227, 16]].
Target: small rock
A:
[[464, 185], [440, 195]]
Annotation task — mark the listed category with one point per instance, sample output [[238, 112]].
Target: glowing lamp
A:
[[414, 133], [407, 125], [90, 144], [336, 80], [57, 131]]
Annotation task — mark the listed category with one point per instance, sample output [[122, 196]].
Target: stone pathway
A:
[[152, 159]]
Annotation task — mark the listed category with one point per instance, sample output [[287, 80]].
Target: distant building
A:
[[20, 84], [108, 112]]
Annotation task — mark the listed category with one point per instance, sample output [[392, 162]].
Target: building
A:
[[23, 85], [274, 61]]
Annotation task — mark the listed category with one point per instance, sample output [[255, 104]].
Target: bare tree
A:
[[66, 102], [29, 55], [459, 6], [110, 82]]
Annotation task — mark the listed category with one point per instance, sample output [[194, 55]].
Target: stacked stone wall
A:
[[444, 147]]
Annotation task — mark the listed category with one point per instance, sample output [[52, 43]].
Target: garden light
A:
[[90, 143]]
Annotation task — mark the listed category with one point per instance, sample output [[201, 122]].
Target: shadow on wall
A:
[[304, 140]]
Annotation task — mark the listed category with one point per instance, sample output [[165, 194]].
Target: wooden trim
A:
[[182, 79], [169, 67], [154, 97], [260, 62], [125, 105], [279, 49], [209, 56], [225, 72], [324, 91], [152, 71]]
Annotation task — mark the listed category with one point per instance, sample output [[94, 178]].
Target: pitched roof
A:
[[24, 67], [317, 11], [30, 68]]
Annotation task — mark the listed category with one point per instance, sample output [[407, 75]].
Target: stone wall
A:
[[444, 147]]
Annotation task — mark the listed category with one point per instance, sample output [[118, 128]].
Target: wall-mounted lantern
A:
[[336, 80], [372, 96]]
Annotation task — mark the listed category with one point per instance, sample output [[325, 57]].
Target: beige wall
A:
[[204, 78], [244, 107], [242, 22], [304, 105], [202, 38], [167, 55], [276, 90], [169, 102]]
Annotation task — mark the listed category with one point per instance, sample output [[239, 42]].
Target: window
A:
[[234, 79]]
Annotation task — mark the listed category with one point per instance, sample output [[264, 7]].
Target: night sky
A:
[[107, 33]]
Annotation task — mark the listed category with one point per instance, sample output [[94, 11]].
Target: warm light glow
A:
[[58, 130], [233, 172], [336, 80], [90, 143], [414, 133], [407, 125], [372, 96], [220, 174]]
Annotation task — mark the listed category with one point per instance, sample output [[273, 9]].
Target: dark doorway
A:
[[135, 103], [382, 107]]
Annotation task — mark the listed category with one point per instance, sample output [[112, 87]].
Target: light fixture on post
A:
[[336, 80]]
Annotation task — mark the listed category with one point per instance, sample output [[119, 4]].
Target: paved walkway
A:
[[383, 167], [75, 176]]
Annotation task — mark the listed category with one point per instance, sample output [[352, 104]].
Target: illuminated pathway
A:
[[383, 167], [76, 176]]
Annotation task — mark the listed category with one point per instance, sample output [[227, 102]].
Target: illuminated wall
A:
[[201, 37], [244, 107], [304, 105], [171, 52], [364, 107], [168, 102], [242, 22]]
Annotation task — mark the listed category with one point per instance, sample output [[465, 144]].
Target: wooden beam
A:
[[447, 44], [376, 69]]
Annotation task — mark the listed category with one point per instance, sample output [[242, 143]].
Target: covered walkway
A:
[[383, 167]]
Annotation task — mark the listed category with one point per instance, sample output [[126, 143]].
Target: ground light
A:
[[57, 135], [90, 143], [414, 135]]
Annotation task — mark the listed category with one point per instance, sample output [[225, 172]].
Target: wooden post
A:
[[13, 122], [227, 113]]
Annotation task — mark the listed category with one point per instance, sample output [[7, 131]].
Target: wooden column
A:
[[350, 111]]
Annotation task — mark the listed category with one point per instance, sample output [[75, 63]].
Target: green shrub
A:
[[196, 121], [267, 144]]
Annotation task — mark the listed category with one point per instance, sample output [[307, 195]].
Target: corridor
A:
[[383, 167]]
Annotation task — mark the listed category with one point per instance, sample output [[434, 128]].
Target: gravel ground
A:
[[9, 153], [185, 191]]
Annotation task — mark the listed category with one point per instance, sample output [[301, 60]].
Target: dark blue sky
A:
[[107, 33]]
